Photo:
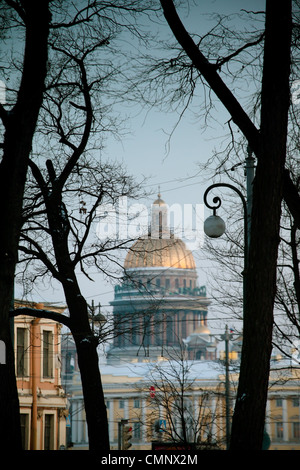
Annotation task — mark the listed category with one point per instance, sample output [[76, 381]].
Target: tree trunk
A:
[[88, 361], [95, 409], [86, 343], [249, 414], [19, 127], [271, 181]]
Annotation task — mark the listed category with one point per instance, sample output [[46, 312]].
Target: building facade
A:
[[283, 406], [144, 394], [43, 402]]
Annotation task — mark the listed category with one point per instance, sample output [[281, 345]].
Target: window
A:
[[134, 330], [200, 354], [24, 422], [136, 403], [279, 402], [69, 364], [296, 402], [279, 430], [22, 352], [49, 432], [170, 330], [136, 434], [47, 354], [296, 430], [121, 404]]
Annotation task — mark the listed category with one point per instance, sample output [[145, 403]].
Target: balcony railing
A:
[[130, 289]]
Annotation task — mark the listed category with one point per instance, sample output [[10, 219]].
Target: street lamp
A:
[[214, 227]]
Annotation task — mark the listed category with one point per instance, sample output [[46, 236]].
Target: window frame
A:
[[48, 374], [25, 353]]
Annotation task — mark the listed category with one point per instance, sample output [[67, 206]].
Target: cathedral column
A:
[[144, 420], [285, 420]]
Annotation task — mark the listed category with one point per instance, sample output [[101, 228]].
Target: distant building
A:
[[135, 392], [159, 309], [43, 402]]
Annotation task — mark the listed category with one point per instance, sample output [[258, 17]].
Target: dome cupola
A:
[[160, 248]]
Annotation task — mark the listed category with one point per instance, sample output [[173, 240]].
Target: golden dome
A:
[[159, 201], [159, 252], [161, 248]]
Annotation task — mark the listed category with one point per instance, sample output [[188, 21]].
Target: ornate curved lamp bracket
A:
[[217, 202]]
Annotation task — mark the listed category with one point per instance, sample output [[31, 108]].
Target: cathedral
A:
[[159, 310]]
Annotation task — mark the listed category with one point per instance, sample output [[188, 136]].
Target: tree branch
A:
[[40, 313], [39, 254], [238, 51], [209, 72], [239, 116]]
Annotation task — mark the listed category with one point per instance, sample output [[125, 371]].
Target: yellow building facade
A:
[[150, 398], [43, 402], [283, 408], [145, 397]]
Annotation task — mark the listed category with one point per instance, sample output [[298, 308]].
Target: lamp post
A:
[[214, 227], [227, 337]]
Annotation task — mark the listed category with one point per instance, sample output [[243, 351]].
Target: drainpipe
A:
[[35, 344]]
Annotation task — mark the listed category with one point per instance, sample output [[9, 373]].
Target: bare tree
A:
[[18, 121], [56, 232], [266, 134], [182, 413], [58, 82]]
